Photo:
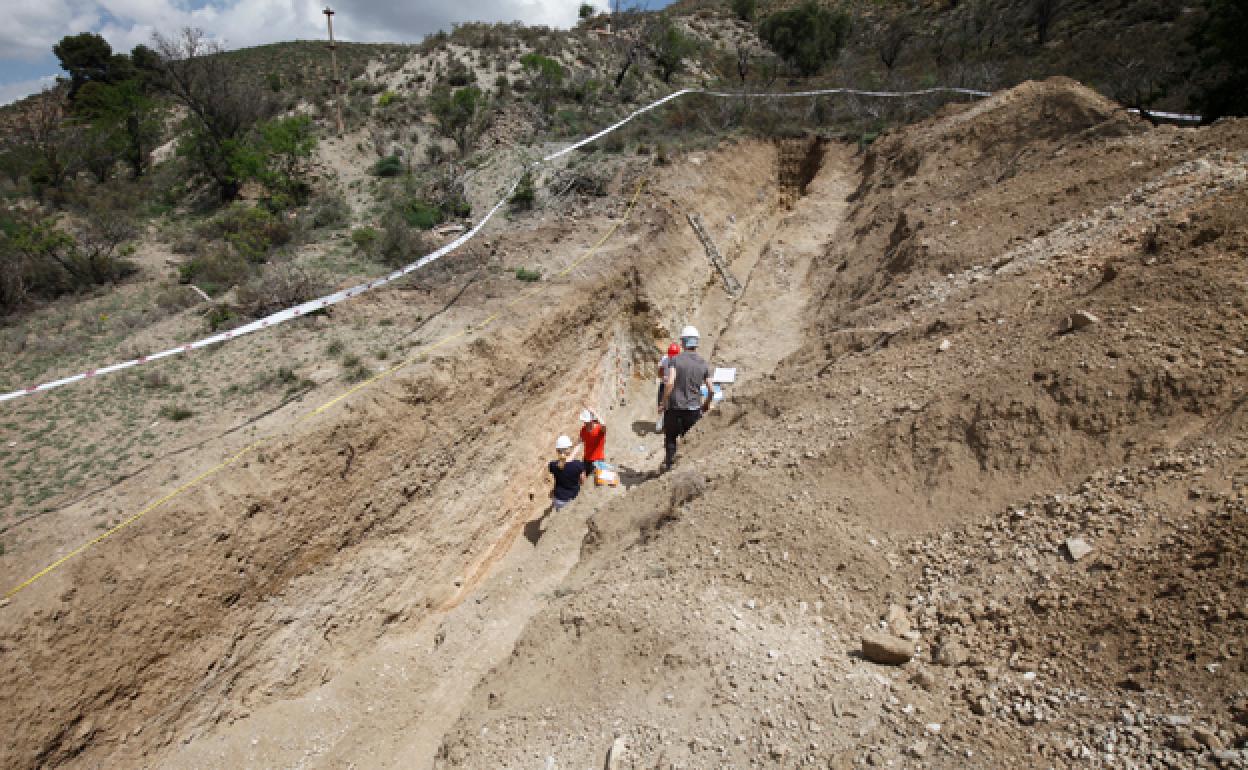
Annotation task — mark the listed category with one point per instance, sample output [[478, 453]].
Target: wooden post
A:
[[333, 58]]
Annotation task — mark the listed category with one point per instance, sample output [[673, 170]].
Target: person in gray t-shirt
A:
[[682, 404]]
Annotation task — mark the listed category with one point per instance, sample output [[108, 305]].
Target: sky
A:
[[32, 27]]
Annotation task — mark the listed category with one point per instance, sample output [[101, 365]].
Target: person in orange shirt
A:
[[593, 439]]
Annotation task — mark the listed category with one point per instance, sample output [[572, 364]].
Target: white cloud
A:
[[34, 26], [11, 92]]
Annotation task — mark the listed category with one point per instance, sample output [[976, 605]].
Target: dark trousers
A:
[[676, 423]]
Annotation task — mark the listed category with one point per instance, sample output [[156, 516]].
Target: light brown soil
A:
[[376, 588]]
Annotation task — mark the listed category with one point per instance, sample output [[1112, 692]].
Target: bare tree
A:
[[629, 24], [1043, 13], [221, 106], [1136, 79], [893, 38], [43, 127]]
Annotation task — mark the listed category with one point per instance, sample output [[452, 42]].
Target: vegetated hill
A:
[[1137, 53]]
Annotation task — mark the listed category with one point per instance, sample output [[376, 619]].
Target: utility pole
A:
[[333, 58]]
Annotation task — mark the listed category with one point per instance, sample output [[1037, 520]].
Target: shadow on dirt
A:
[[533, 529], [630, 477]]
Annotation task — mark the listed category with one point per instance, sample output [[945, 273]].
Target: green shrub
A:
[[220, 316], [258, 232], [364, 238], [527, 275], [387, 98], [546, 75], [461, 114], [391, 165], [745, 9], [253, 231], [399, 244], [671, 47], [330, 210], [176, 413], [807, 37], [525, 195], [215, 271], [422, 214]]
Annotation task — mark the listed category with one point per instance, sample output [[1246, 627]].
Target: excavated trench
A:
[[340, 595]]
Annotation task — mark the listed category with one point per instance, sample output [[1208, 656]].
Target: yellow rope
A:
[[322, 408]]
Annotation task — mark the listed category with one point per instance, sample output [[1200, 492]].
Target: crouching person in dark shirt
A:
[[568, 474]]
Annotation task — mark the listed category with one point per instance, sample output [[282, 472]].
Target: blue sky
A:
[[32, 27]]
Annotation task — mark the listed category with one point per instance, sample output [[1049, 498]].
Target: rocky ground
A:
[[990, 514]]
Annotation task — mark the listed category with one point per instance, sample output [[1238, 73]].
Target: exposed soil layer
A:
[[931, 447], [998, 336]]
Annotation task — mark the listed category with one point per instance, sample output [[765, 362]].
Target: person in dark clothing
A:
[[682, 403], [568, 474]]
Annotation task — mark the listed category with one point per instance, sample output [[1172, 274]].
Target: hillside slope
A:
[[914, 426], [931, 448]]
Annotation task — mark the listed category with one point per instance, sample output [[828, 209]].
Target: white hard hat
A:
[[587, 416], [563, 442], [689, 331]]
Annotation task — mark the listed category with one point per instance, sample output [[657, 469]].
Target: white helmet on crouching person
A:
[[689, 337], [562, 443]]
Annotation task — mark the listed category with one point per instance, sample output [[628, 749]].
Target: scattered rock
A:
[[1080, 319], [1185, 742], [924, 678], [945, 345], [885, 649], [952, 654], [897, 620], [615, 755], [1077, 548], [1208, 738], [918, 749]]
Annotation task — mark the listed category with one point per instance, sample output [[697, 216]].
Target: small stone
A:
[[615, 755], [945, 345], [1208, 738], [918, 749], [923, 678], [933, 727], [1077, 548], [1185, 742], [886, 649], [952, 654], [1080, 319], [898, 621]]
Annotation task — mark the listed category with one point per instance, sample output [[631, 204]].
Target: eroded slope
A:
[[717, 613]]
